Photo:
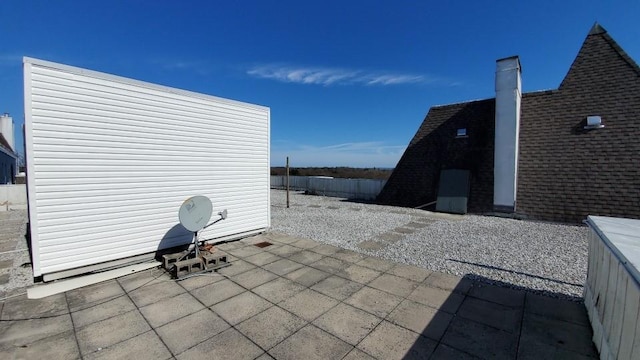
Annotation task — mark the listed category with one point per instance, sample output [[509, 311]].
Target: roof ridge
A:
[[623, 54]]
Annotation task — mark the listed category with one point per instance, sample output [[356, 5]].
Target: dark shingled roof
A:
[[564, 172]]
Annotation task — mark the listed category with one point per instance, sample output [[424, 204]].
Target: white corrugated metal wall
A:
[[110, 160]]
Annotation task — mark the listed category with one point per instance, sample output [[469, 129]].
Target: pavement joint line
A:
[[73, 325], [140, 312], [524, 306]]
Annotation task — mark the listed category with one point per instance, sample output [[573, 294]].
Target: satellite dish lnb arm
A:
[[223, 216]]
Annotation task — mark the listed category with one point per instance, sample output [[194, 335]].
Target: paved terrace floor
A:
[[295, 299]]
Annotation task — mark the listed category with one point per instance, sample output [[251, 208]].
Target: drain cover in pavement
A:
[[263, 244]]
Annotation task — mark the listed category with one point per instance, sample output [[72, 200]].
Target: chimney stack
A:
[[507, 126], [6, 129]]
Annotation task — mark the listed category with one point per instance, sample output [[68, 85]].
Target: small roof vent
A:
[[594, 122]]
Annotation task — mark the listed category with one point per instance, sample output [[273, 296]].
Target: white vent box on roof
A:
[[594, 122], [110, 160]]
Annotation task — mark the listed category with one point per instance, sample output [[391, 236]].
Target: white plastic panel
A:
[[110, 160]]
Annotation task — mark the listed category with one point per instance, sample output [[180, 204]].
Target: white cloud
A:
[[197, 66], [333, 76], [357, 154]]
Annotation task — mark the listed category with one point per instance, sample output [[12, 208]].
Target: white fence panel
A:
[[360, 189]]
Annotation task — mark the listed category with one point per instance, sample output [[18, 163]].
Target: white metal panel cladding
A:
[[110, 160]]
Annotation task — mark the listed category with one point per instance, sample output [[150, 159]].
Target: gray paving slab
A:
[[376, 302], [444, 352], [308, 304], [191, 330], [262, 258], [282, 238], [228, 345], [25, 332], [102, 310], [217, 292], [148, 294], [444, 300], [284, 250], [394, 285], [390, 237], [359, 274], [310, 343], [200, 280], [404, 230], [448, 282], [348, 255], [557, 309], [305, 244], [500, 295], [337, 287], [142, 278], [229, 245], [376, 264], [330, 265], [389, 341], [241, 307], [142, 347], [110, 331], [89, 295], [237, 267], [60, 346], [495, 315], [347, 323], [529, 349], [324, 249], [563, 335], [305, 257], [371, 245], [270, 327], [480, 340], [282, 267], [410, 272], [357, 354], [278, 289], [421, 319], [253, 278], [170, 309], [307, 276], [265, 356], [245, 251], [22, 308]]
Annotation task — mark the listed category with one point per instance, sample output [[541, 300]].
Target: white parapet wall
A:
[[357, 189], [612, 290], [13, 197]]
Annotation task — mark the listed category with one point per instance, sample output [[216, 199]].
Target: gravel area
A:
[[542, 257]]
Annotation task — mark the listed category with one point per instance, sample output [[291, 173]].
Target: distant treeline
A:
[[337, 172]]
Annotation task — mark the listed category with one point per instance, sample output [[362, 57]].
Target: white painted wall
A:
[[507, 130], [6, 128], [110, 160], [13, 197]]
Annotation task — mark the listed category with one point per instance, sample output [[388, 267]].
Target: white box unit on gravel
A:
[[110, 160]]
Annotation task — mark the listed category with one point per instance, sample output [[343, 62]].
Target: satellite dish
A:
[[195, 213]]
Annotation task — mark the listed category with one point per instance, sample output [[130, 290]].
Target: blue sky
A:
[[348, 82]]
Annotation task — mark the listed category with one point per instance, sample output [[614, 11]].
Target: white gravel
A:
[[537, 256]]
